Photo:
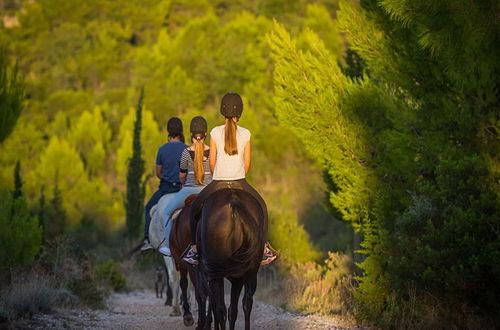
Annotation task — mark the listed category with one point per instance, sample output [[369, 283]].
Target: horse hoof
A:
[[175, 312], [188, 320]]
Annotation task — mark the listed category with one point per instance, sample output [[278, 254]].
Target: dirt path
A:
[[141, 310]]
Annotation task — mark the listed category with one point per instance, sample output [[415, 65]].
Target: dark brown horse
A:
[[231, 236]]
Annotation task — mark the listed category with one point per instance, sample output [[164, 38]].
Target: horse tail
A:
[[253, 235]]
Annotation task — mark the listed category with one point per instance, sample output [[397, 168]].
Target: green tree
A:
[[62, 161], [11, 96], [91, 135], [134, 204], [20, 234], [57, 220], [151, 138], [42, 211], [409, 150], [18, 181]]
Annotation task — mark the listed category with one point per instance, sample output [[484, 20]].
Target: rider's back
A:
[[230, 167]]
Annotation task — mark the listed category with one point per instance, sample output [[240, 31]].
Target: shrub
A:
[[110, 273], [20, 234], [311, 287], [324, 289], [37, 296], [85, 285]]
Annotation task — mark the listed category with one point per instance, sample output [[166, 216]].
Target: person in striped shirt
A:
[[194, 174]]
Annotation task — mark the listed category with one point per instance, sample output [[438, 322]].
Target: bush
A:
[[311, 287], [110, 273], [85, 285], [25, 299], [323, 289], [20, 234]]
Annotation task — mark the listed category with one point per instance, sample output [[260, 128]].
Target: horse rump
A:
[[231, 234]]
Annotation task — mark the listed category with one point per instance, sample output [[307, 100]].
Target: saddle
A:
[[187, 202]]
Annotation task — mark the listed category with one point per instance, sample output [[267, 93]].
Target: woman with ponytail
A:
[[194, 173], [229, 163]]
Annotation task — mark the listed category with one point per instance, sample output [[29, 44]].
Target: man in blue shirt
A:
[[167, 170]]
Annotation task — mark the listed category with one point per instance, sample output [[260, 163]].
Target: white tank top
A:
[[229, 167]]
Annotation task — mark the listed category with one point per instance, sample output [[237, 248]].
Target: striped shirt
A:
[[187, 166]]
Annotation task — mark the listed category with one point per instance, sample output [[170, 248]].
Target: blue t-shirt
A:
[[169, 156]]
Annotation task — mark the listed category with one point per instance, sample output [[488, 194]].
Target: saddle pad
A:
[[175, 214], [190, 199]]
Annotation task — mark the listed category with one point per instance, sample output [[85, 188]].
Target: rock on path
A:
[[142, 310]]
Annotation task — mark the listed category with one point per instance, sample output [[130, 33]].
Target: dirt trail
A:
[[142, 310]]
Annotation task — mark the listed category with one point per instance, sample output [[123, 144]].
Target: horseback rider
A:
[[229, 162], [194, 174], [167, 170]]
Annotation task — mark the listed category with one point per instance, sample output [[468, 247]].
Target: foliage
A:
[[24, 299], [324, 289], [409, 146], [83, 65], [135, 189], [11, 96], [110, 273], [56, 219], [20, 234], [52, 169], [18, 181]]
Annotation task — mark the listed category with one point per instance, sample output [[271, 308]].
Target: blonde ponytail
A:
[[199, 171], [230, 145]]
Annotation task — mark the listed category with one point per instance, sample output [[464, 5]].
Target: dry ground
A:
[[142, 310]]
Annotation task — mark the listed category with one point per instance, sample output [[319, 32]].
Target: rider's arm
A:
[[158, 170], [213, 155], [182, 177], [183, 166], [246, 157]]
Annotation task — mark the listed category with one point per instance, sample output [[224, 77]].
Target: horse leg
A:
[[188, 317], [236, 286], [250, 287], [168, 301], [217, 300], [201, 291], [173, 276]]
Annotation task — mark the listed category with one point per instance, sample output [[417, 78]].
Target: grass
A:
[[24, 299], [311, 288]]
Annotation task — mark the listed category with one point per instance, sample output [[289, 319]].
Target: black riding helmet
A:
[[174, 126], [231, 105], [198, 126]]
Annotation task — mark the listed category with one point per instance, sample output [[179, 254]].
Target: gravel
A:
[[142, 310]]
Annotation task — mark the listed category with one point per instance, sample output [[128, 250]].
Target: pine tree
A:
[[18, 181], [11, 96], [20, 233], [42, 210], [410, 147], [134, 204], [57, 221]]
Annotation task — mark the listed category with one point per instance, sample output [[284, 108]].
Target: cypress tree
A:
[[42, 211], [18, 181], [134, 204], [57, 215], [11, 96]]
